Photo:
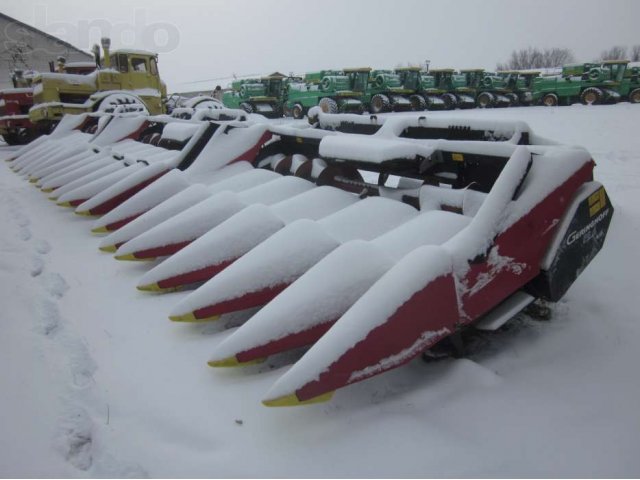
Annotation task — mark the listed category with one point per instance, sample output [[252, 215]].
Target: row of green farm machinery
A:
[[357, 90], [130, 79]]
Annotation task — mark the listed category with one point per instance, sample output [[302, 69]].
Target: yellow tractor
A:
[[123, 77]]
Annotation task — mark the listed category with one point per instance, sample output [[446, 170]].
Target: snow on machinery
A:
[[15, 126], [588, 83], [332, 90], [96, 173], [403, 89], [478, 227], [499, 225], [490, 88], [519, 84], [261, 95], [125, 77], [371, 248], [451, 88]]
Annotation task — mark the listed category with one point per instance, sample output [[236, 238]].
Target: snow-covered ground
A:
[[96, 381]]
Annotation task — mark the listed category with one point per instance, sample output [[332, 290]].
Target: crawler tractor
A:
[[125, 77], [332, 90], [588, 83], [258, 95]]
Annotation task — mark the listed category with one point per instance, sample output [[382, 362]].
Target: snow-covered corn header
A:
[[368, 240]]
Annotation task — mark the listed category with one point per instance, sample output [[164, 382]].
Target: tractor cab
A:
[[358, 78], [410, 77], [123, 77], [274, 85], [615, 69]]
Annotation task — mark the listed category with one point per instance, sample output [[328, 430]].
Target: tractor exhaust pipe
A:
[[106, 43]]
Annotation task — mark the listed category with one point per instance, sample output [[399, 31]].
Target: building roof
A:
[[45, 34]]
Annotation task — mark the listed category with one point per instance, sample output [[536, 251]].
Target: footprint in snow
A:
[[37, 266], [24, 234], [75, 438], [43, 247], [81, 363], [55, 284], [48, 317]]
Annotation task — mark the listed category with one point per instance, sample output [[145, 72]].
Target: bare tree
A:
[[635, 53], [535, 58], [617, 52]]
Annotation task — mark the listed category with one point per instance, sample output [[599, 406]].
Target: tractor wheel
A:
[[450, 101], [380, 103], [513, 99], [328, 105], [485, 100], [634, 96], [591, 96], [418, 103], [550, 100], [247, 107], [111, 102], [297, 111]]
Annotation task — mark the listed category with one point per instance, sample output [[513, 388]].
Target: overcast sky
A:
[[216, 39]]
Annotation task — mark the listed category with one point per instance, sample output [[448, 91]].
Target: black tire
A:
[[591, 96], [380, 103], [434, 103], [450, 101], [247, 107], [328, 105], [12, 139], [418, 103], [297, 111], [550, 100], [513, 99], [485, 100], [634, 96]]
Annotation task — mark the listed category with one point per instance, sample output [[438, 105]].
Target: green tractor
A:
[[451, 88], [333, 91], [127, 78], [589, 83], [422, 88], [491, 89], [387, 93], [630, 87], [258, 95], [519, 84]]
